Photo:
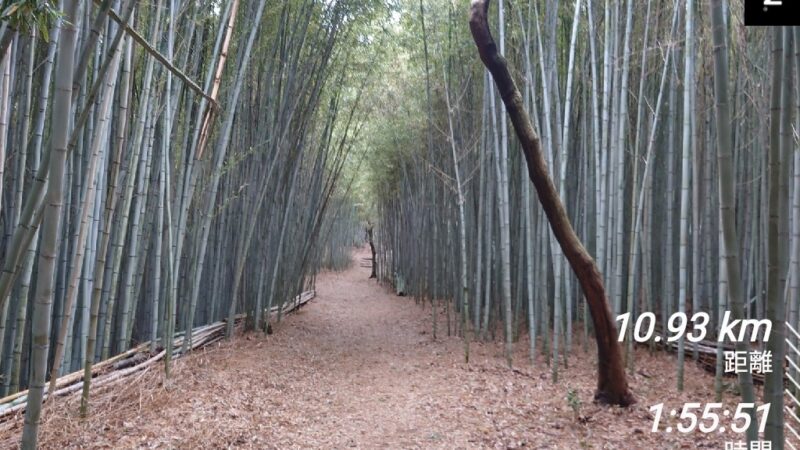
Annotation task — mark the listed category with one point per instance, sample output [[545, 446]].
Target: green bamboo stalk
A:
[[51, 222]]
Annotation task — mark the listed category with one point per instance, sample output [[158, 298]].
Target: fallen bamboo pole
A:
[[201, 336]]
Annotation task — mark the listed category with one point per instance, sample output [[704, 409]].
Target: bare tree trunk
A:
[[372, 274], [612, 385]]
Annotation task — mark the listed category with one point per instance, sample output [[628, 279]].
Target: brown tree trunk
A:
[[612, 384], [372, 248]]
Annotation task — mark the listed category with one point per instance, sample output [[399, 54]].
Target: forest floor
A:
[[358, 368]]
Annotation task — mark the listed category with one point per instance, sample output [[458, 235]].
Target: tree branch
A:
[[157, 55]]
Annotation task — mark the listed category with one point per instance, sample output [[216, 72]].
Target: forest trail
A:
[[357, 368]]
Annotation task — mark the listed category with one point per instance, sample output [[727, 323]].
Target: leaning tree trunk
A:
[[372, 249], [612, 384]]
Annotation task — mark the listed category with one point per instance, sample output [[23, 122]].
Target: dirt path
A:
[[358, 368]]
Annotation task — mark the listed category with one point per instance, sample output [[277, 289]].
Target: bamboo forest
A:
[[410, 224]]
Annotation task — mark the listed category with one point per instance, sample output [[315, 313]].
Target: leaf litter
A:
[[358, 368]]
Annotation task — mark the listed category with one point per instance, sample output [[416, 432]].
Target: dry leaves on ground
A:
[[357, 368]]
